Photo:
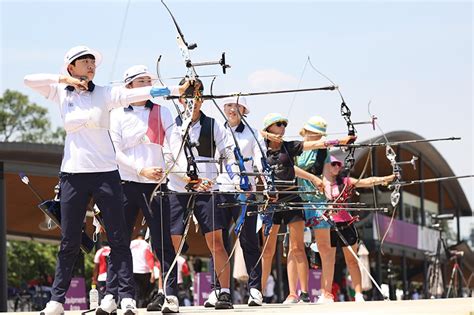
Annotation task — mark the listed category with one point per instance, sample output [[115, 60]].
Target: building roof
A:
[[37, 153], [42, 161], [434, 165]]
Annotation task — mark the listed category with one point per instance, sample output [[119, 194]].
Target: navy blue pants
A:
[[248, 241], [76, 190], [206, 212], [136, 196]]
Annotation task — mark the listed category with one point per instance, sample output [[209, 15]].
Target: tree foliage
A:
[[31, 260], [21, 120], [25, 121]]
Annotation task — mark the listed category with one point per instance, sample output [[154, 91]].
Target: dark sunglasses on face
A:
[[335, 163], [281, 123]]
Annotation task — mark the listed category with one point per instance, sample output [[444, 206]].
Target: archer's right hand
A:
[[272, 137], [79, 84], [152, 173]]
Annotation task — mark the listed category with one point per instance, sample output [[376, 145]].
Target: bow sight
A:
[[220, 62]]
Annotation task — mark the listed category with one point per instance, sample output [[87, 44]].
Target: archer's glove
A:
[[157, 91]]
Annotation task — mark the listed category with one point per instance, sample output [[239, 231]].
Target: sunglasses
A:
[[281, 123], [336, 164]]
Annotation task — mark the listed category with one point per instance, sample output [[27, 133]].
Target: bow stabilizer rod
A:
[[394, 143], [208, 97], [431, 180]]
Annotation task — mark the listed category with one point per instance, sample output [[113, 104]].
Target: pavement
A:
[[459, 306]]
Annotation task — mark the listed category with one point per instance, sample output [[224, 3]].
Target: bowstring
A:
[[298, 86], [396, 205], [119, 43]]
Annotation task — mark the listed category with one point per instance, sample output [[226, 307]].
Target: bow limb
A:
[[171, 167], [244, 180], [268, 172], [266, 239], [188, 218], [239, 158], [391, 156], [349, 160], [191, 172], [186, 119], [158, 73], [238, 230]]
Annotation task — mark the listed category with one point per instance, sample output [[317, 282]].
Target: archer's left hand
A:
[[388, 179], [318, 183], [204, 184], [182, 88], [347, 139]]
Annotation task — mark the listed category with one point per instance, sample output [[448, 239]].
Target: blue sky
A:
[[413, 60]]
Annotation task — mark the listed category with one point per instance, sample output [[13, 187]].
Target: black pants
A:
[[348, 231], [248, 241], [142, 288], [205, 210], [101, 287], [76, 190], [135, 197]]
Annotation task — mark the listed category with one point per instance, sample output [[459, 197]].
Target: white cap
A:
[[240, 100], [315, 124], [135, 72], [78, 51]]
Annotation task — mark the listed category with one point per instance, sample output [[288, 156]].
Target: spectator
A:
[[99, 275], [143, 264]]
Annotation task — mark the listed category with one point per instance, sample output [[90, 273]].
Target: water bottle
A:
[[93, 297]]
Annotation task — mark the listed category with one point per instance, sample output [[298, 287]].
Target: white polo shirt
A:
[[128, 128], [142, 256], [224, 147], [249, 148], [88, 147]]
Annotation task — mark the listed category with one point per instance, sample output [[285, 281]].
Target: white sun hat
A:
[[240, 100], [135, 72], [78, 51]]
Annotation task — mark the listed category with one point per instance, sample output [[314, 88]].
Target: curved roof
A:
[[431, 157], [37, 153], [42, 162]]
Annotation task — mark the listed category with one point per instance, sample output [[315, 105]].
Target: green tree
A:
[[29, 260], [21, 120]]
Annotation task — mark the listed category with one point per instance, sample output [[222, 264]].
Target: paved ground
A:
[[463, 306]]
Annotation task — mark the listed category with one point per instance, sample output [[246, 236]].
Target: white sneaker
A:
[[325, 299], [53, 308], [211, 299], [359, 297], [128, 306], [255, 297], [291, 299], [170, 305], [107, 306]]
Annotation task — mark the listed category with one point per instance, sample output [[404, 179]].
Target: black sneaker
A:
[[304, 297], [224, 301], [156, 304]]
